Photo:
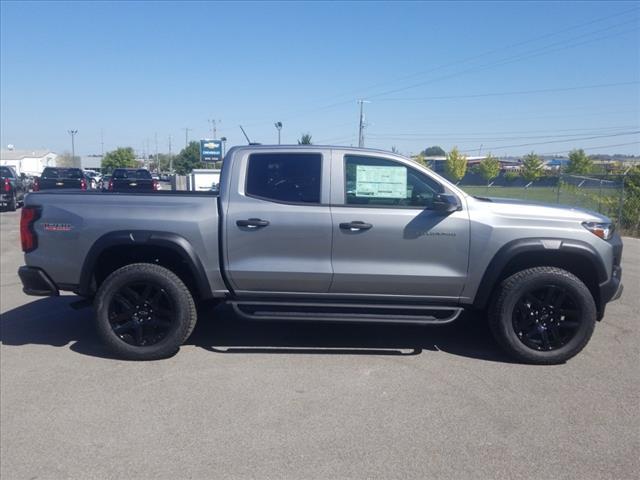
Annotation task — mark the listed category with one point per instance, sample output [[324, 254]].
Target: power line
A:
[[482, 135], [521, 92], [595, 148], [560, 141], [521, 56], [487, 53]]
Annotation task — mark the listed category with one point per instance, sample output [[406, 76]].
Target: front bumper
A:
[[36, 282]]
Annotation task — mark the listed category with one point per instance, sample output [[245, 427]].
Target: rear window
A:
[[6, 172], [285, 177], [53, 173], [140, 174]]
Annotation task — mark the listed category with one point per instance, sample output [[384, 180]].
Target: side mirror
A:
[[445, 203]]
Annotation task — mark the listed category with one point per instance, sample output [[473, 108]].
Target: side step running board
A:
[[346, 312]]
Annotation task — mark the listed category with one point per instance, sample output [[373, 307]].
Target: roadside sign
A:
[[210, 150]]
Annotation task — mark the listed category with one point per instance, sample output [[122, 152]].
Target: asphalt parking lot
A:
[[289, 401]]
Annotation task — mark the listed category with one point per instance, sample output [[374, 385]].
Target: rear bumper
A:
[[36, 282], [5, 197]]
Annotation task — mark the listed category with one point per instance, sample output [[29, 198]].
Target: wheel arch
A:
[[116, 249], [577, 257]]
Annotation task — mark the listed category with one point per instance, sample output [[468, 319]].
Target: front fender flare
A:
[[514, 248]]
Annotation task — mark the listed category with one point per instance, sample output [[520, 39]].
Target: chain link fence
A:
[[614, 195]]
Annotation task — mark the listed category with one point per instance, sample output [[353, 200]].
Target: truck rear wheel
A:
[[543, 315], [144, 312]]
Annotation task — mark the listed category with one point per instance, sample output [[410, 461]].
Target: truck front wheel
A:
[[543, 315], [144, 312]]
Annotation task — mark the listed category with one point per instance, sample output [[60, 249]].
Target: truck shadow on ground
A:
[[51, 321]]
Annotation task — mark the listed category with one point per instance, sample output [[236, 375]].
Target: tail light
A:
[[7, 185], [111, 185], [36, 185], [156, 185], [83, 184], [28, 236]]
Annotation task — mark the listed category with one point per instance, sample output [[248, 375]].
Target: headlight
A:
[[602, 230]]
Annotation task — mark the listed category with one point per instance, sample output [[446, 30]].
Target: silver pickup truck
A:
[[313, 233]]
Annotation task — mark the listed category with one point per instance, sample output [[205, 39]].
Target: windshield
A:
[[5, 172], [53, 173]]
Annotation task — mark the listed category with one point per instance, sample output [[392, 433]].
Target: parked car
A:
[[324, 234], [13, 188], [93, 178], [103, 184], [132, 180], [56, 178]]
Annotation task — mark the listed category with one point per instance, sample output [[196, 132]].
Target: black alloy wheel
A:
[[141, 314], [542, 315], [546, 318]]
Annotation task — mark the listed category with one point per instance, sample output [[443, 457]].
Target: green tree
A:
[[65, 160], [489, 168], [579, 163], [531, 167], [456, 165], [162, 163], [188, 159], [511, 175], [434, 151], [420, 158], [305, 139], [630, 220], [119, 158]]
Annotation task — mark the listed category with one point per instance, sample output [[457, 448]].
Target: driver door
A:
[[387, 238]]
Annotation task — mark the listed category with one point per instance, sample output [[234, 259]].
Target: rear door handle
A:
[[355, 226], [252, 223]]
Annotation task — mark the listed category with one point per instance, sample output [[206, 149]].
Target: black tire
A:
[[144, 339], [531, 327], [12, 205]]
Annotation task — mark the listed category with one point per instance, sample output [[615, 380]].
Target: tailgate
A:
[[57, 183], [132, 185]]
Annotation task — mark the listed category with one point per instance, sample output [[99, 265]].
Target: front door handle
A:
[[355, 226], [252, 223]]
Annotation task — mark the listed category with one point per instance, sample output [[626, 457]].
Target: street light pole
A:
[[279, 128], [73, 145]]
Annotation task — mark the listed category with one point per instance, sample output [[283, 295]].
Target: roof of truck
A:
[[312, 147]]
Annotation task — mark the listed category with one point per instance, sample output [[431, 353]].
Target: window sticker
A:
[[375, 181]]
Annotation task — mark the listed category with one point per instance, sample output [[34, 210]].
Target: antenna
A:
[[245, 134]]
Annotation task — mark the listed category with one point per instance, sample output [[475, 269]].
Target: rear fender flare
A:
[[177, 243]]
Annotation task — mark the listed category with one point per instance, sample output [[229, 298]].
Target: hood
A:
[[513, 207]]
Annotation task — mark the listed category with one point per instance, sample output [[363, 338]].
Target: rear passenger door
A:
[[278, 222]]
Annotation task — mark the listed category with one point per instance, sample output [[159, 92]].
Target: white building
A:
[[30, 162]]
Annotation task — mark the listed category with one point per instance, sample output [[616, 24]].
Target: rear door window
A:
[[285, 177]]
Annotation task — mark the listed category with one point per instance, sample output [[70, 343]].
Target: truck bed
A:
[[72, 222]]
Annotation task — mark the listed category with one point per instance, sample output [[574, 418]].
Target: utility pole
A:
[[278, 127], [362, 124], [170, 157], [73, 145], [102, 143], [214, 127], [186, 136]]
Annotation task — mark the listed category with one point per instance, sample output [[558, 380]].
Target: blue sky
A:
[[136, 70]]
